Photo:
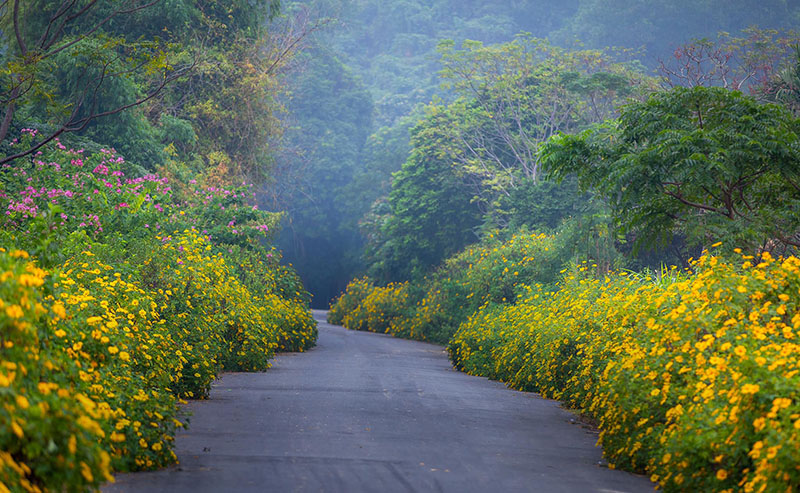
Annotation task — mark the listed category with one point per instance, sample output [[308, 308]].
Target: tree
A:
[[708, 163], [196, 81], [234, 97], [514, 96], [746, 63], [431, 215], [41, 33]]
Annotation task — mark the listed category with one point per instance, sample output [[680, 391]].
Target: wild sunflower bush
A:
[[694, 379], [120, 297], [381, 309], [51, 433], [353, 295], [495, 271], [115, 347]]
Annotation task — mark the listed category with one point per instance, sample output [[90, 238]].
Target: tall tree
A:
[[430, 213], [709, 163]]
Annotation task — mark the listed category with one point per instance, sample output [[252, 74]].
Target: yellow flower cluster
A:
[[95, 357], [50, 430], [492, 272], [382, 310], [693, 378], [353, 295]]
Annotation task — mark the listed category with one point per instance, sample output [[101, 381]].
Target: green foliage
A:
[[507, 84], [544, 204], [126, 74], [514, 96], [431, 308], [431, 214], [393, 48], [478, 153], [711, 164]]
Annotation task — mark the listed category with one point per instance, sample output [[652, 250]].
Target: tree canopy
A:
[[709, 163]]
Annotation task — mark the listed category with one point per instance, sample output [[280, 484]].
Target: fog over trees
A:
[[388, 90]]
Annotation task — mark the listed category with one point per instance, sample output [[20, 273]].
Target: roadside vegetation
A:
[[120, 297], [136, 265], [637, 261]]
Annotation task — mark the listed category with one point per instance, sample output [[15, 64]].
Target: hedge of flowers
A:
[[349, 300], [692, 377], [382, 308], [694, 380], [119, 298], [433, 309]]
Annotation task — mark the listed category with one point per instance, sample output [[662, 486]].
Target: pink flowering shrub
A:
[[63, 191]]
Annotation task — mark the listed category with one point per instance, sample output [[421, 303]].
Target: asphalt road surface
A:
[[368, 412]]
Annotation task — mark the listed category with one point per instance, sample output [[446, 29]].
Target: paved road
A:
[[367, 412]]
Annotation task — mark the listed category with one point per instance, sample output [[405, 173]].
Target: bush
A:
[[51, 433], [353, 295], [693, 379], [380, 309], [493, 272], [138, 295]]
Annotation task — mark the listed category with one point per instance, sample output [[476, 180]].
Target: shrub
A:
[[353, 295], [693, 379], [50, 434], [493, 272], [380, 309], [148, 294], [113, 345]]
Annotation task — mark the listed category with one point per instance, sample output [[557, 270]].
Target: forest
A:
[[569, 196], [363, 106]]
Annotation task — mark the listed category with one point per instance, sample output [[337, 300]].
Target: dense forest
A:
[[380, 70]]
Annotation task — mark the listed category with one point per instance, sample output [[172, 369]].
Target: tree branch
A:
[[74, 124], [92, 30], [20, 41], [678, 196]]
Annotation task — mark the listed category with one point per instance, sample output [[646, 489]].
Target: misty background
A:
[[372, 66]]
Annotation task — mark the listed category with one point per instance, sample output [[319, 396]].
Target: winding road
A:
[[368, 412]]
